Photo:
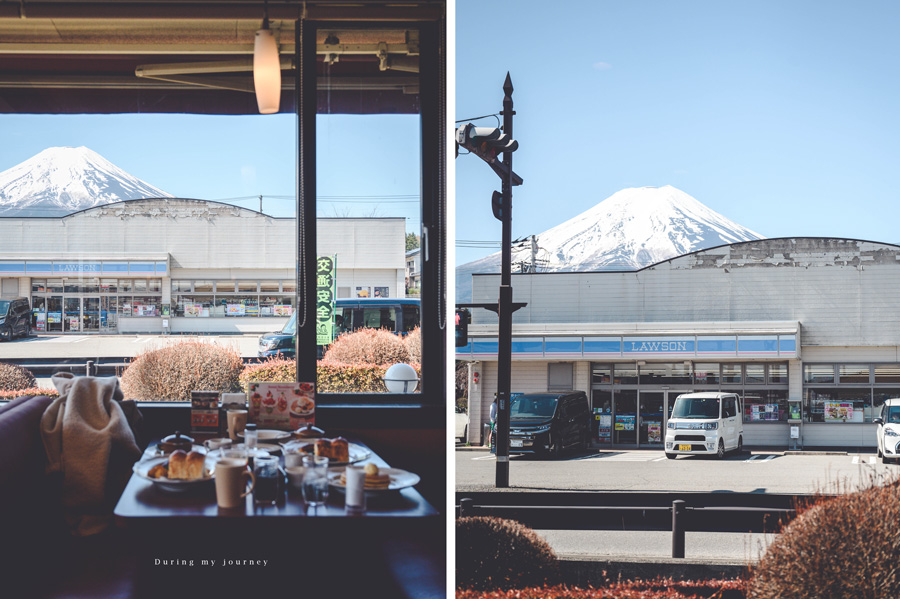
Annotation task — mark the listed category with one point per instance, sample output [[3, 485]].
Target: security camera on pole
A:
[[487, 143]]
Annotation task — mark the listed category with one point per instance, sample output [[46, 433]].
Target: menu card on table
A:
[[282, 406]]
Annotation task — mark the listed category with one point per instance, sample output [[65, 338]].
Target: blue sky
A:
[[782, 116], [225, 157]]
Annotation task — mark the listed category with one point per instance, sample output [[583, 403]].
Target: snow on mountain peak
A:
[[62, 180], [631, 229]]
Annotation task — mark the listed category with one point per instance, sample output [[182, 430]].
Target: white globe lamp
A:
[[401, 378]]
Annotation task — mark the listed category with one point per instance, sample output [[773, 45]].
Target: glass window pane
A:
[[247, 286], [109, 285], [126, 285], [225, 286], [706, 374], [146, 306], [181, 286], [853, 373], [193, 306], [731, 373], [203, 286], [269, 287], [601, 374], [765, 406], [140, 285], [818, 373], [755, 374], [289, 286], [154, 285], [778, 373], [625, 374], [887, 373], [38, 285], [55, 285], [664, 374], [880, 395]]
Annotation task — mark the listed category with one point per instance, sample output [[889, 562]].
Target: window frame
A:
[[432, 387]]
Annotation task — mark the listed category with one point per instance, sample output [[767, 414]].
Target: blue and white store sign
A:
[[637, 347]]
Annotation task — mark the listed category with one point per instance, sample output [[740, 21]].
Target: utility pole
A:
[[534, 249], [260, 203]]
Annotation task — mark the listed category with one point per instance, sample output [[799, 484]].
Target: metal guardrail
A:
[[580, 511]]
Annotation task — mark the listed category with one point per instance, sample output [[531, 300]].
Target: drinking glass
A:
[[315, 480]]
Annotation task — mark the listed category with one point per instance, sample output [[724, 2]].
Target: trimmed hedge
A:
[[367, 346], [331, 377], [14, 377], [172, 372], [34, 391], [493, 553], [846, 546]]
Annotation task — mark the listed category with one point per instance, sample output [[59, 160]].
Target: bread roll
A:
[[337, 450], [186, 466]]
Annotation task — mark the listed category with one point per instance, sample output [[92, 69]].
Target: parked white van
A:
[[705, 423]]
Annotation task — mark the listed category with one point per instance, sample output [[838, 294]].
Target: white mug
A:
[[230, 481], [213, 444], [237, 420]]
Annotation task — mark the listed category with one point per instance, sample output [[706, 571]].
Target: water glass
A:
[[315, 480]]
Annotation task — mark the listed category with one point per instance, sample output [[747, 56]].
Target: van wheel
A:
[[720, 452], [671, 456]]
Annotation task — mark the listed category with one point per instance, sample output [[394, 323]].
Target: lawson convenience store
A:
[[805, 330]]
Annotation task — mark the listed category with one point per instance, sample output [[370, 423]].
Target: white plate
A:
[[400, 479], [270, 436], [358, 453], [169, 484]]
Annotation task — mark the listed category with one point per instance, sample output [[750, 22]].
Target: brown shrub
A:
[[841, 547], [171, 373], [14, 378], [660, 588], [367, 346], [413, 342], [493, 553]]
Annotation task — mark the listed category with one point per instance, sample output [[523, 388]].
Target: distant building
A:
[[806, 330], [193, 265], [413, 269]]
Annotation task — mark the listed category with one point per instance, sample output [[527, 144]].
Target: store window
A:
[[887, 373], [706, 374], [731, 374], [855, 394], [778, 373], [765, 406], [665, 374], [625, 374], [818, 373], [755, 374], [853, 373], [601, 374], [181, 286]]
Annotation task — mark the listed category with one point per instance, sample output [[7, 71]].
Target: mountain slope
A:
[[631, 229], [59, 181]]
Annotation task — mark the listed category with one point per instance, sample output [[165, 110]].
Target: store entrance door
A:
[[72, 315], [651, 428], [55, 314], [625, 418], [90, 314], [108, 314]]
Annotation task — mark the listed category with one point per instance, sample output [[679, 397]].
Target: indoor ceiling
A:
[[112, 56]]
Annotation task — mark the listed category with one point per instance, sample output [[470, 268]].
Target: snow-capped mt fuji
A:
[[59, 181], [631, 229]]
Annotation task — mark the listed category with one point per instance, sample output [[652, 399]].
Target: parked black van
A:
[[549, 423], [15, 318], [400, 316]]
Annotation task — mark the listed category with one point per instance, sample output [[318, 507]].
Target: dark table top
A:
[[143, 502]]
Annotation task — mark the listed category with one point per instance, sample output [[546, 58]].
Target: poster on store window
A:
[[193, 310], [382, 292], [363, 292], [836, 411], [234, 310], [654, 432], [604, 427], [625, 423]]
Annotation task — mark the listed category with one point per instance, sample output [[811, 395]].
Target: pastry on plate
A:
[[336, 450], [375, 479]]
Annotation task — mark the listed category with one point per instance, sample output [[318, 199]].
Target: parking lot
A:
[[649, 470]]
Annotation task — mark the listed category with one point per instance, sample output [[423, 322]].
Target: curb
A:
[[588, 571], [472, 448]]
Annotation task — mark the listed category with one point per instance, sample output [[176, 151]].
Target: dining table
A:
[[185, 537]]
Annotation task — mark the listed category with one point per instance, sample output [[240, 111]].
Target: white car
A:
[[462, 425], [705, 423], [888, 434]]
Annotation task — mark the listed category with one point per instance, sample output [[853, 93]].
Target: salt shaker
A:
[[355, 489], [251, 436]]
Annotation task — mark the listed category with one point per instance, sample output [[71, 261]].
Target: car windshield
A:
[[531, 406], [4, 308], [696, 407], [893, 415], [291, 327]]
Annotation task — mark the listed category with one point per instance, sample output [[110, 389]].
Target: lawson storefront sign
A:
[[636, 347]]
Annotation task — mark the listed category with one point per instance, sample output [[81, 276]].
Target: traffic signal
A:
[[485, 142], [463, 317], [497, 205]]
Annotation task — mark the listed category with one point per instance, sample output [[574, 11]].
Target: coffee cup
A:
[[214, 444], [231, 485], [237, 421]]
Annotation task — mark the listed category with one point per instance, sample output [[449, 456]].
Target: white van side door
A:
[[730, 418]]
